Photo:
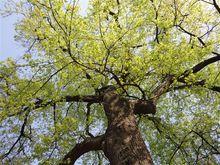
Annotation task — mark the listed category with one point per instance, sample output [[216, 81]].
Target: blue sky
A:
[[8, 46]]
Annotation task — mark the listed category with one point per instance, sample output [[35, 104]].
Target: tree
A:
[[135, 82]]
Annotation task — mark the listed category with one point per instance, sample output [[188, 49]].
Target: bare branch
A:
[[40, 103], [205, 63], [206, 2]]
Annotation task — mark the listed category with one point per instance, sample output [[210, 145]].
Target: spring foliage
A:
[[130, 44]]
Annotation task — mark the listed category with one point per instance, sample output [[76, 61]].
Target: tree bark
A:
[[123, 144], [89, 144]]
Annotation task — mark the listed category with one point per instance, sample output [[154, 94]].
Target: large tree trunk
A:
[[123, 144]]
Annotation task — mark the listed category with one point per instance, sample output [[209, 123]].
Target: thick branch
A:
[[89, 99], [198, 67], [40, 103], [142, 107], [164, 86], [205, 63], [215, 88], [89, 144], [216, 6]]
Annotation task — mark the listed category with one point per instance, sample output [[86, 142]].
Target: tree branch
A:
[[179, 146], [22, 134], [216, 6], [215, 88], [89, 144], [205, 63], [165, 85], [142, 107], [77, 98], [199, 38], [139, 88], [88, 113], [40, 103], [162, 88], [149, 106], [198, 83], [88, 99], [202, 137]]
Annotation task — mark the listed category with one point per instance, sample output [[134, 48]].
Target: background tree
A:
[[95, 82]]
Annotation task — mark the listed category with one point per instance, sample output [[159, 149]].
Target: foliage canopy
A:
[[133, 45]]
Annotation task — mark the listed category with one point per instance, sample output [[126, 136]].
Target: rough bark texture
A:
[[123, 144]]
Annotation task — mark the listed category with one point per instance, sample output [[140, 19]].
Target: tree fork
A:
[[122, 143]]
